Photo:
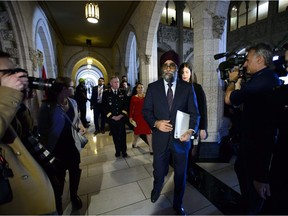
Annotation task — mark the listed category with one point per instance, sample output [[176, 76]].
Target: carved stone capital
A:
[[188, 35], [147, 59], [7, 35], [13, 52], [218, 23], [4, 17]]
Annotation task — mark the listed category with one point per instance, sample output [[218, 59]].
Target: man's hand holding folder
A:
[[182, 131]]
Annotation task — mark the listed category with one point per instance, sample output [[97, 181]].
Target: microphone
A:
[[220, 55]]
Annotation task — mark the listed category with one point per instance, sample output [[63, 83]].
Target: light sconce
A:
[[89, 66], [92, 12]]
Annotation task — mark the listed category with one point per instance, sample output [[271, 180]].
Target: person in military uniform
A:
[[115, 103]]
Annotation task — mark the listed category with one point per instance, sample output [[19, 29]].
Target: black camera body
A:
[[34, 82], [237, 61], [280, 66]]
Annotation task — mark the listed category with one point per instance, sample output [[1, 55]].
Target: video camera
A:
[[234, 60], [34, 82]]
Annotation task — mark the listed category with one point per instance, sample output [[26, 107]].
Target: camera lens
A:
[[39, 83]]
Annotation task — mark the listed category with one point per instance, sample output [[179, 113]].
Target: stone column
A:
[[210, 39], [180, 6]]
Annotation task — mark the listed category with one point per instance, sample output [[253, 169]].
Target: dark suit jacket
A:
[[156, 108], [94, 96]]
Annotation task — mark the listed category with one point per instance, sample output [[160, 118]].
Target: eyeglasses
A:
[[172, 66]]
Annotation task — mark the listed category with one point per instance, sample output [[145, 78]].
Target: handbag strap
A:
[[67, 117]]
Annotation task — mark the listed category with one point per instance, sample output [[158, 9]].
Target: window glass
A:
[[263, 9], [171, 13], [163, 16], [187, 18], [242, 15], [252, 11], [282, 5], [233, 18]]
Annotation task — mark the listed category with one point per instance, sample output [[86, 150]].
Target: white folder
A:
[[181, 124]]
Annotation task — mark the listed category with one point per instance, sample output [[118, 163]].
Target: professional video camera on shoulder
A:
[[34, 82], [234, 60]]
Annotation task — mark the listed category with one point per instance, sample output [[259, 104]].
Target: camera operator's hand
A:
[[234, 75], [18, 81]]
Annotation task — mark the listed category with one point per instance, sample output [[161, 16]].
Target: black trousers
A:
[[82, 110], [161, 168], [99, 111], [118, 131], [252, 203], [58, 180]]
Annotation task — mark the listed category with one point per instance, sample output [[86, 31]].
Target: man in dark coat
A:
[[257, 137], [98, 107], [160, 111], [81, 99]]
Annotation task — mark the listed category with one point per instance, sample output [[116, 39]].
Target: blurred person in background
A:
[[98, 106], [81, 99], [135, 114]]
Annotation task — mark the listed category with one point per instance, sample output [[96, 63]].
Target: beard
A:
[[169, 77]]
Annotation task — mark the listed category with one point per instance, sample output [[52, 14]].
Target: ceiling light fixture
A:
[[92, 12]]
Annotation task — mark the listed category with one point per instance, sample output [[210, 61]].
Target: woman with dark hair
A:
[[186, 73], [136, 115], [57, 123]]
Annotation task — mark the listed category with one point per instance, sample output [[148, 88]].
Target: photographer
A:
[[57, 121], [28, 175], [256, 135]]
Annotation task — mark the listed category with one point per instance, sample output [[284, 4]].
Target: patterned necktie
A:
[[100, 91], [170, 95]]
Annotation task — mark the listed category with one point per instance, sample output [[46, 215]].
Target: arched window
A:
[[187, 19], [242, 15], [282, 5], [169, 11], [252, 12], [263, 9], [233, 18]]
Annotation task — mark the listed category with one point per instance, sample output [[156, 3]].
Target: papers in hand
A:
[[133, 123], [181, 124]]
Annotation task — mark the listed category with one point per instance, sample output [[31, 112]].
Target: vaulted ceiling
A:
[[68, 21]]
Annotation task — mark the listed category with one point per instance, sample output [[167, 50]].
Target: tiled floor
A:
[[122, 186]]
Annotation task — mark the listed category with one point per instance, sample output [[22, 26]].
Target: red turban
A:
[[170, 55]]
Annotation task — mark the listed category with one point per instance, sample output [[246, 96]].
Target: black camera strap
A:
[[6, 194]]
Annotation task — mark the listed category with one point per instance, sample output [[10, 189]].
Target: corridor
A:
[[122, 186]]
